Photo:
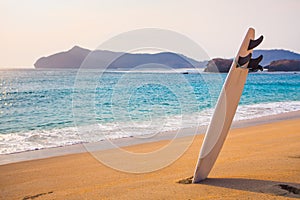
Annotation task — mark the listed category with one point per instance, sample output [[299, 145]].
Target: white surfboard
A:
[[227, 105]]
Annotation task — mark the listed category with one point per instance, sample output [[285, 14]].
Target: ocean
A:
[[50, 108]]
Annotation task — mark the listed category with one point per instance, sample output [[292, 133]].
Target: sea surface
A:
[[51, 108]]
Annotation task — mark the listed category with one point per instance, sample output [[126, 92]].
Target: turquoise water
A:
[[41, 109]]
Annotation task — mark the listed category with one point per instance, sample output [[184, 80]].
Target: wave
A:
[[39, 139]]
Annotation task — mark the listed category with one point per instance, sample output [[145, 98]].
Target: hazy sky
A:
[[34, 28]]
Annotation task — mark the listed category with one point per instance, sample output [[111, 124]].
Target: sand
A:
[[257, 162]]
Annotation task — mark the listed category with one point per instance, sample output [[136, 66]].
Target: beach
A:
[[149, 100], [258, 161]]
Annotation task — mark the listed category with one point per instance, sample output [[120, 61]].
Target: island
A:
[[218, 65], [274, 60], [78, 57], [284, 65]]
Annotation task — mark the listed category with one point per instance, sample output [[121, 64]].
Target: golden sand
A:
[[259, 162]]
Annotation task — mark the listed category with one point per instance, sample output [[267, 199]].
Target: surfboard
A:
[[226, 105]]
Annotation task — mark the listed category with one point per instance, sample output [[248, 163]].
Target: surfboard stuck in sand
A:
[[226, 105]]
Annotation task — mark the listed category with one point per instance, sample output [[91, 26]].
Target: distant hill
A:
[[102, 58], [275, 54], [74, 57], [68, 59]]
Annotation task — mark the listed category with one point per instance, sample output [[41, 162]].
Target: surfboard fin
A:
[[254, 64], [259, 67], [255, 43], [243, 60]]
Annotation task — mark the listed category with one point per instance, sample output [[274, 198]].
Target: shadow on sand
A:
[[254, 185]]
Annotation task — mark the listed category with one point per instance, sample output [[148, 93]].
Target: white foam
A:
[[261, 110], [38, 139]]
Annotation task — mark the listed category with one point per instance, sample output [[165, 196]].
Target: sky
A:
[[34, 28]]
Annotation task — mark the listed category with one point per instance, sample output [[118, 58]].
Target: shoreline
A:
[[130, 141]]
